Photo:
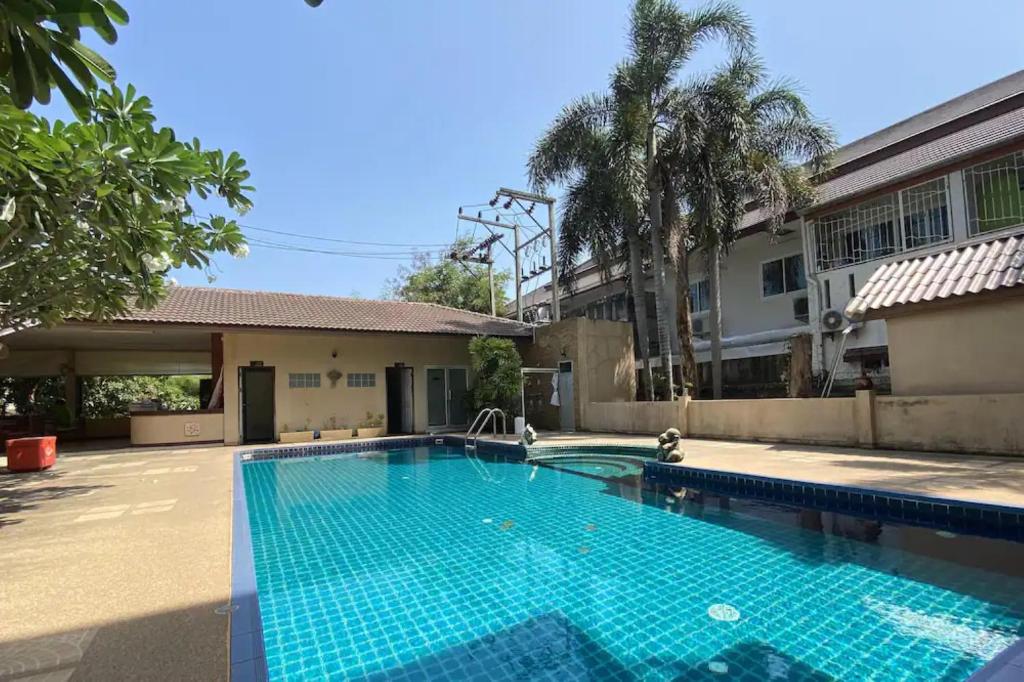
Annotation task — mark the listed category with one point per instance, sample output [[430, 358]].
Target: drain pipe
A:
[[827, 391], [811, 273]]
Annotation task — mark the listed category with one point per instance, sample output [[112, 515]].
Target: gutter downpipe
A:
[[811, 272]]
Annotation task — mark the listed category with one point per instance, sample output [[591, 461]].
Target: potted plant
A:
[[332, 431], [371, 427], [288, 436]]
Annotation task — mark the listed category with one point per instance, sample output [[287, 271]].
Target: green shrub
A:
[[497, 365]]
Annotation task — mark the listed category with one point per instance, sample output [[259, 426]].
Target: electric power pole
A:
[[471, 255]]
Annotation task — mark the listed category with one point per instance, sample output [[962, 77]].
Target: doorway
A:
[[398, 380], [566, 407], [256, 386], [447, 388]]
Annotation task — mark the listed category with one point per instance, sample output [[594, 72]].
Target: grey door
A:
[[566, 409], [256, 385], [437, 392], [457, 389]]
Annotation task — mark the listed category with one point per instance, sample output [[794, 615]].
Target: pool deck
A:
[[116, 562]]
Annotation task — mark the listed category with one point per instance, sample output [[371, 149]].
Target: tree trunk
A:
[[658, 260], [687, 356], [715, 266], [672, 229], [636, 277]]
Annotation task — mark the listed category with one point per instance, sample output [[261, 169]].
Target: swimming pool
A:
[[419, 563]]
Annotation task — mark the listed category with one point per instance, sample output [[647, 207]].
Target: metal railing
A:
[[480, 423]]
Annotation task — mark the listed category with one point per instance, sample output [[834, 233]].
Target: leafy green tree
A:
[[94, 214], [40, 45], [447, 282], [746, 140], [113, 396], [601, 215], [31, 395], [497, 364], [662, 39]]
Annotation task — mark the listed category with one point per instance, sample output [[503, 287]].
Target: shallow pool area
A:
[[421, 563]]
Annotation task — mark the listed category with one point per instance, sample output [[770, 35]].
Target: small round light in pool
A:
[[718, 667], [724, 612], [488, 520], [945, 534]]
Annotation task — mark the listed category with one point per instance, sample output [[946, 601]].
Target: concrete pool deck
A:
[[116, 562]]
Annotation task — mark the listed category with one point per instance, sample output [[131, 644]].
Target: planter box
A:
[[368, 432], [335, 434], [295, 437]]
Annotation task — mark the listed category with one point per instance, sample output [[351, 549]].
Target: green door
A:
[[437, 394], [457, 390]]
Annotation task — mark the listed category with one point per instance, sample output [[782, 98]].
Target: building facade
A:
[[948, 176]]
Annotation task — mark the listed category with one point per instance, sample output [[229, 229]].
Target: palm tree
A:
[[746, 143], [601, 214], [662, 40]]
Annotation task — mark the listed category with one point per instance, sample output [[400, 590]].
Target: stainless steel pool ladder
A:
[[480, 423]]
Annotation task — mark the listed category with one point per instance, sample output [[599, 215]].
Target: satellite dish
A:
[[5, 352], [832, 320]]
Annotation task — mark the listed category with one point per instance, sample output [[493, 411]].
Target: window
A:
[[362, 380], [858, 234], [995, 194], [925, 214], [700, 296], [783, 275], [303, 381]]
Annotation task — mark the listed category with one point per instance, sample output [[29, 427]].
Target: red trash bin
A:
[[31, 454]]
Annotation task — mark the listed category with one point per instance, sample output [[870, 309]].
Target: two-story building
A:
[[950, 175]]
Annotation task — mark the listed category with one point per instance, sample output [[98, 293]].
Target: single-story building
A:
[[278, 362], [955, 319]]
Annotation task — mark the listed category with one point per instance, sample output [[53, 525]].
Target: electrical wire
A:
[[370, 255], [335, 240]]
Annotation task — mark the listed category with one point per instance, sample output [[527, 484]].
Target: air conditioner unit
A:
[[832, 320], [800, 309], [699, 327]]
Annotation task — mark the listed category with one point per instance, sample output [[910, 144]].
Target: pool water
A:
[[422, 564]]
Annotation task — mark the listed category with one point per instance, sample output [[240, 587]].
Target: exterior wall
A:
[[952, 423], [162, 429], [968, 348], [793, 420], [744, 309], [602, 357], [637, 417], [290, 352]]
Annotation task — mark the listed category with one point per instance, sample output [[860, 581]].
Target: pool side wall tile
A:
[[248, 658]]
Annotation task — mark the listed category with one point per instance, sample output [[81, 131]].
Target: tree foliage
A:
[[40, 45], [112, 396], [94, 214], [497, 365], [446, 282]]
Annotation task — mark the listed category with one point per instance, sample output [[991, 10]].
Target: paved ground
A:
[[997, 480], [115, 563]]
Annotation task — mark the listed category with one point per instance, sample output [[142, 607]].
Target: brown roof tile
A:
[[969, 269], [237, 308]]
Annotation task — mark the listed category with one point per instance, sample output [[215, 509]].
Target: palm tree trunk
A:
[[715, 265], [672, 225], [687, 356], [636, 277], [658, 260]]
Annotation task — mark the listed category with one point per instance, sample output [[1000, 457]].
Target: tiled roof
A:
[[961, 144], [970, 269], [236, 308]]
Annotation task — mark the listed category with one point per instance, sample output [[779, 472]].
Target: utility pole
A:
[[470, 255], [526, 201]]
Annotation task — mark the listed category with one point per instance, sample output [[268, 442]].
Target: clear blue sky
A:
[[373, 121]]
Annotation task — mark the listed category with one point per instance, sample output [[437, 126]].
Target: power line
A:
[[300, 235], [395, 256]]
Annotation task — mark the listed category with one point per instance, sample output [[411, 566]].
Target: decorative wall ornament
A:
[[334, 375]]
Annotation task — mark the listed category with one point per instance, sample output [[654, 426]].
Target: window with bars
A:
[[303, 380], [700, 296], [925, 214], [910, 219], [994, 191], [362, 380], [783, 275]]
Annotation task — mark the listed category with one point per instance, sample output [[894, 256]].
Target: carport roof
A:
[[971, 269], [215, 307]]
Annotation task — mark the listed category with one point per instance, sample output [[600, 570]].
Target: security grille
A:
[[995, 194], [858, 234], [925, 214]]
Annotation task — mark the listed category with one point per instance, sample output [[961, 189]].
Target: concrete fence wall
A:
[[961, 423], [643, 417]]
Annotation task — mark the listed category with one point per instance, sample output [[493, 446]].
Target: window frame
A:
[[784, 292], [902, 242], [304, 380], [972, 231], [361, 384], [705, 311]]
